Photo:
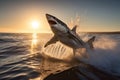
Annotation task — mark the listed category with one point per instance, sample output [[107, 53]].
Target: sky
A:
[[94, 15]]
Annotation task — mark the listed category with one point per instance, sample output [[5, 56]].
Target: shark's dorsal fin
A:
[[90, 42], [74, 28], [51, 41]]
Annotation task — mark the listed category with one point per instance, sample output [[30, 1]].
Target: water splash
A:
[[105, 55], [74, 21], [105, 42], [58, 51]]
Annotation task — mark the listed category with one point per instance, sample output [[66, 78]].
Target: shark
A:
[[66, 36]]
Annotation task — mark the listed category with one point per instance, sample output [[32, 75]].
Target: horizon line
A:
[[77, 32]]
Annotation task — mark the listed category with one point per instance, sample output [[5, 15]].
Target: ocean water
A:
[[23, 56]]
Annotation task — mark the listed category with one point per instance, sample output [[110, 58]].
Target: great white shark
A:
[[66, 36]]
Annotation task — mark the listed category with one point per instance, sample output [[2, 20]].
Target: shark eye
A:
[[52, 22]]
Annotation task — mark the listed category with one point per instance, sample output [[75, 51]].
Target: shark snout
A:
[[48, 16], [51, 19]]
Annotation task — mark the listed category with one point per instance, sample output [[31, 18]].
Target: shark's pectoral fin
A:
[[74, 29], [51, 41], [90, 42]]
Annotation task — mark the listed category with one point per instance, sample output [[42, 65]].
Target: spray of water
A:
[[74, 21], [58, 51], [105, 56]]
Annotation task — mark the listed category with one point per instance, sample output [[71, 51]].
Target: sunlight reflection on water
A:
[[42, 63], [34, 39], [34, 43]]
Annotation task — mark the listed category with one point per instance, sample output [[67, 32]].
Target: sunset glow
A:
[[35, 24], [27, 16]]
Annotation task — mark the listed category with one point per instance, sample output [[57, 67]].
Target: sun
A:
[[35, 24]]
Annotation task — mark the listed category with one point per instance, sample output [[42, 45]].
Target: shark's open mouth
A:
[[52, 22]]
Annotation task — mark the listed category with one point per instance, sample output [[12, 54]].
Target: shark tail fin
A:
[[90, 42]]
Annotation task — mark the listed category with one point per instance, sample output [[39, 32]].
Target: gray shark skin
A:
[[66, 36]]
